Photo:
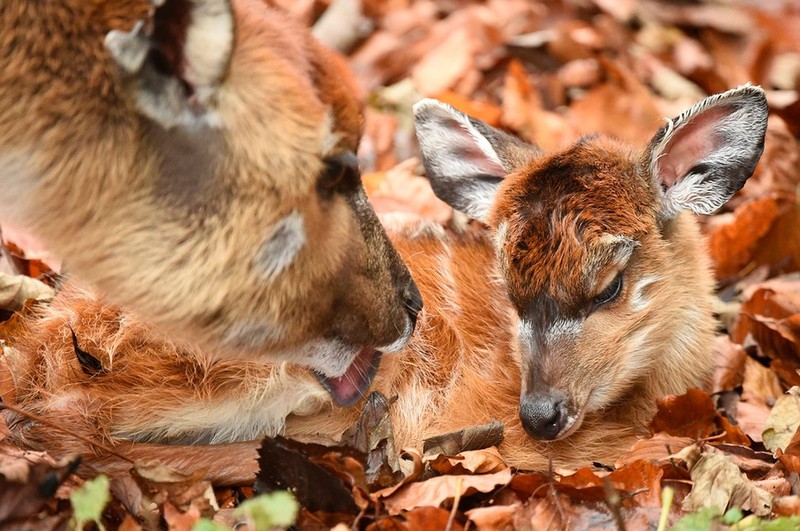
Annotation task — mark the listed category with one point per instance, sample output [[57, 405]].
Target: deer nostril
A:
[[413, 301], [543, 417]]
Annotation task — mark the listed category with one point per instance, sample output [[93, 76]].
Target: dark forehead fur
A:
[[557, 209]]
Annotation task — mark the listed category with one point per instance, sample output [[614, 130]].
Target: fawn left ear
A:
[[700, 159], [465, 159], [175, 68]]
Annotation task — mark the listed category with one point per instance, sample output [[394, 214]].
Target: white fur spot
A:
[[637, 301], [286, 238], [402, 341]]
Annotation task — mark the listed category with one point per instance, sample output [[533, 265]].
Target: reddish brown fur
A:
[[558, 206], [509, 313], [461, 369]]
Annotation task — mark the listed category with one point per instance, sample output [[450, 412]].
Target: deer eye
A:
[[340, 174], [611, 292]]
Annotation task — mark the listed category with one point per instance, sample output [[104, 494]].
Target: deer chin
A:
[[575, 419], [350, 386]]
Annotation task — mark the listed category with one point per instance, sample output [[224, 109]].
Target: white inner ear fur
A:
[[457, 154], [281, 246], [448, 131], [209, 44], [722, 131]]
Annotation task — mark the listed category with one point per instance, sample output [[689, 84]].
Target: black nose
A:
[[543, 416], [413, 302]]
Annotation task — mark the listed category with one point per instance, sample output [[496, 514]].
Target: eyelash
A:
[[611, 292], [340, 174]]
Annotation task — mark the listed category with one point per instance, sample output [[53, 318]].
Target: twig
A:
[[452, 518], [50, 424], [554, 492], [613, 500]]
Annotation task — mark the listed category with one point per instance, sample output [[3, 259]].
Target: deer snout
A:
[[544, 416]]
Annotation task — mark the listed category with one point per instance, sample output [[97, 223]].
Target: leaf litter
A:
[[548, 72]]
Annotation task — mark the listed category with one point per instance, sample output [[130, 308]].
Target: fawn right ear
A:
[[465, 159], [705, 155], [175, 67]]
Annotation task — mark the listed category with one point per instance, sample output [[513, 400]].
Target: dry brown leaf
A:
[[161, 484], [639, 481], [523, 112], [493, 518], [403, 190], [732, 238], [484, 461], [719, 483], [787, 505], [434, 491], [751, 419], [441, 68], [760, 385], [657, 448], [430, 518], [729, 365], [783, 421], [693, 415], [482, 110]]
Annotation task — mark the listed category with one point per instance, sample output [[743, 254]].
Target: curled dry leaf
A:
[[732, 238], [639, 483], [434, 491], [16, 289], [655, 449], [325, 479], [729, 364], [493, 517], [719, 483], [694, 415], [483, 461]]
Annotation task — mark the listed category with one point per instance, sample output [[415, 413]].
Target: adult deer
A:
[[198, 167]]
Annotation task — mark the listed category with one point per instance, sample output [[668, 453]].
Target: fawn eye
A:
[[611, 292], [340, 174]]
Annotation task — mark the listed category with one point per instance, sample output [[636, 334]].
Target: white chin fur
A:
[[402, 341]]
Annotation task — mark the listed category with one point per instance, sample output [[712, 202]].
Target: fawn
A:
[[588, 297], [194, 160]]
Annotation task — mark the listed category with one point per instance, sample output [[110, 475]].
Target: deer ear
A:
[[175, 68], [704, 156], [465, 159]]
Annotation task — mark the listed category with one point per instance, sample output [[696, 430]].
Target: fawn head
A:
[[254, 126], [609, 279]]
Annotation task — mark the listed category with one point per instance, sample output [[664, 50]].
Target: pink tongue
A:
[[348, 388]]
